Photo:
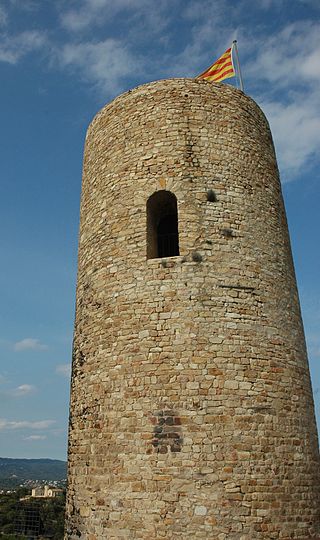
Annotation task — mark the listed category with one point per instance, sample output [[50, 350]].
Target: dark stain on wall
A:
[[167, 435]]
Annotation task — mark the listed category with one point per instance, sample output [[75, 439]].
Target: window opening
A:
[[162, 225]]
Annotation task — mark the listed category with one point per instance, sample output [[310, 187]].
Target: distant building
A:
[[46, 492]]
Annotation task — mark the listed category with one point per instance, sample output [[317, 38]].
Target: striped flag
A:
[[221, 69]]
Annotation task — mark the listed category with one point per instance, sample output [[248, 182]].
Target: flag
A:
[[221, 69]]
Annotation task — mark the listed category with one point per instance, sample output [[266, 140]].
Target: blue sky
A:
[[60, 62]]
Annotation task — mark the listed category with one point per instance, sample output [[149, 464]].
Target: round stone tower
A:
[[191, 405]]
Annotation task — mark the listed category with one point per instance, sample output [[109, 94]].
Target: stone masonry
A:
[[191, 407]]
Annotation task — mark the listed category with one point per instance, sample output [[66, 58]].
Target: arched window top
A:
[[162, 225]]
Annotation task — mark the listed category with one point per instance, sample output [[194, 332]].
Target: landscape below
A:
[[32, 498]]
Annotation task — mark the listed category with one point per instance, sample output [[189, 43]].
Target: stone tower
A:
[[191, 406]]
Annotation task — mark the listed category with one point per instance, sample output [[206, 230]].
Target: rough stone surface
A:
[[191, 405]]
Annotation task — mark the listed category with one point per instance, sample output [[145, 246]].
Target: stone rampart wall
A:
[[191, 407]]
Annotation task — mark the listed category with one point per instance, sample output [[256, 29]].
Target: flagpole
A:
[[234, 43]]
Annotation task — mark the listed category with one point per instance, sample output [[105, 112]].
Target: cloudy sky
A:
[[60, 62]]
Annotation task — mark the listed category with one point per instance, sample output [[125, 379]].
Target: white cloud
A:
[[3, 16], [25, 424], [206, 10], [212, 28], [288, 66], [64, 370], [87, 13], [35, 438], [23, 390], [266, 4], [105, 63], [289, 57], [313, 3], [26, 5], [12, 48], [296, 131], [313, 343], [29, 344], [285, 62], [90, 12]]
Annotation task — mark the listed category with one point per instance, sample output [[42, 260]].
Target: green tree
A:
[[51, 514]]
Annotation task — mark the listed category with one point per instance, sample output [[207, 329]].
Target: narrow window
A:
[[162, 225]]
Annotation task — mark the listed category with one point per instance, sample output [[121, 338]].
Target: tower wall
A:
[[191, 406]]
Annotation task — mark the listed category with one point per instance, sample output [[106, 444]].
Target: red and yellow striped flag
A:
[[221, 69]]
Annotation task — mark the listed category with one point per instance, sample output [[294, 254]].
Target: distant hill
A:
[[14, 472]]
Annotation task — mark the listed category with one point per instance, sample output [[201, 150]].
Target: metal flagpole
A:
[[234, 43]]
